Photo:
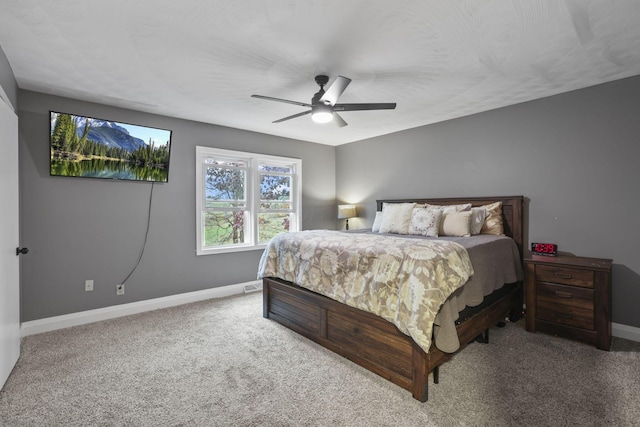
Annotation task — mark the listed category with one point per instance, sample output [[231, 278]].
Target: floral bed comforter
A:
[[402, 280]]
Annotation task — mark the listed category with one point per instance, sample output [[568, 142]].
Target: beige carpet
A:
[[219, 363]]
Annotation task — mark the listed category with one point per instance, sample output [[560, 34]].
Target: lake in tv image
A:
[[94, 148]]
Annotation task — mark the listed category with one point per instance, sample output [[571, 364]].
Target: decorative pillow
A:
[[456, 224], [376, 222], [493, 221], [477, 219], [425, 221], [450, 208], [396, 217]]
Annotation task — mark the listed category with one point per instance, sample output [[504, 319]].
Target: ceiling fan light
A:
[[322, 113], [322, 117]]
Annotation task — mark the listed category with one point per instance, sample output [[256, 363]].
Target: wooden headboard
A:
[[512, 207]]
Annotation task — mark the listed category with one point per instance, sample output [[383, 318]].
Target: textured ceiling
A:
[[201, 60]]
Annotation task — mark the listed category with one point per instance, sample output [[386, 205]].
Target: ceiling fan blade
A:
[[304, 113], [270, 98], [356, 107], [339, 121], [332, 94]]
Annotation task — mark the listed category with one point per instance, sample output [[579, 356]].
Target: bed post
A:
[[420, 382]]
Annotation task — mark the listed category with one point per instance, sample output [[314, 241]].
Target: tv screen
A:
[[95, 148]]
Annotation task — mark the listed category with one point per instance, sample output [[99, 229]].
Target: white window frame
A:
[[252, 195]]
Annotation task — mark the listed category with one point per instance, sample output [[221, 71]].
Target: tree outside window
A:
[[225, 203], [274, 213]]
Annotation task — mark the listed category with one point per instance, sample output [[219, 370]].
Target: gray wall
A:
[[573, 156], [78, 229]]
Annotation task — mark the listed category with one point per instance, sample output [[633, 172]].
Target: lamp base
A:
[[347, 223]]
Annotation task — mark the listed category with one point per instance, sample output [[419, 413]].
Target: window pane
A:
[[270, 224], [225, 184], [224, 228], [275, 187]]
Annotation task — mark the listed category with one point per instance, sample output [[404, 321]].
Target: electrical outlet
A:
[[88, 285], [120, 289]]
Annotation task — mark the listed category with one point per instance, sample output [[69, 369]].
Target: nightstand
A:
[[570, 297]]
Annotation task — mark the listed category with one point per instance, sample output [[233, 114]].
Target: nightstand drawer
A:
[[566, 315], [565, 276], [571, 296]]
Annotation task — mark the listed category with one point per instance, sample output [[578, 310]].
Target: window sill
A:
[[230, 249]]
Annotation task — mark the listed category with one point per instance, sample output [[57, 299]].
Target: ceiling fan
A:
[[324, 107]]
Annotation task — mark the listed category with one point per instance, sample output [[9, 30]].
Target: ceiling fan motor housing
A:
[[321, 80]]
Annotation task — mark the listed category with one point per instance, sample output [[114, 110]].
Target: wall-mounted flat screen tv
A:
[[95, 148]]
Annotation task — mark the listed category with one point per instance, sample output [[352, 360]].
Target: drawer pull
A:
[[563, 294], [562, 275], [564, 315]]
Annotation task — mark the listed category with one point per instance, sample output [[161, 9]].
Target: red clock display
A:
[[546, 249]]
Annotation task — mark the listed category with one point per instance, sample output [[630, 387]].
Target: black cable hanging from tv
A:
[[146, 235]]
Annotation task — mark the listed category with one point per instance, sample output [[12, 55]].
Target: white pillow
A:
[[425, 222], [477, 219], [456, 224], [396, 217], [376, 222]]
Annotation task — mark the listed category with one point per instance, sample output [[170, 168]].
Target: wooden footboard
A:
[[369, 340]]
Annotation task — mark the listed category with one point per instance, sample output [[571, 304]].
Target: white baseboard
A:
[[624, 331], [83, 317]]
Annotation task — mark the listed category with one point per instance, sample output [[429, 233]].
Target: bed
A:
[[377, 343]]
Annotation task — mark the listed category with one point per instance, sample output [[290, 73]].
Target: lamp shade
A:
[[346, 211]]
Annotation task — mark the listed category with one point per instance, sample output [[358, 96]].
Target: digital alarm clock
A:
[[545, 249]]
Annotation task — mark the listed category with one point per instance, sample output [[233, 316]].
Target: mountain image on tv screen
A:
[[94, 148]]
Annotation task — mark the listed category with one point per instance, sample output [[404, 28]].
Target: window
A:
[[244, 199]]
